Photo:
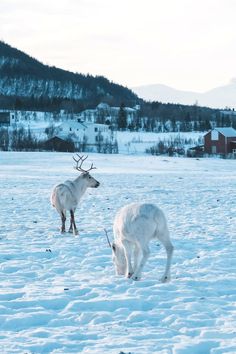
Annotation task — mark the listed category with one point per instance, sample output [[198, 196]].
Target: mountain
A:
[[220, 97], [26, 81], [165, 94], [27, 84]]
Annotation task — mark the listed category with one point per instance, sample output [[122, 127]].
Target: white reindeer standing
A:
[[66, 196], [134, 226]]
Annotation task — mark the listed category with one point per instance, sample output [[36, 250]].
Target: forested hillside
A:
[[27, 84]]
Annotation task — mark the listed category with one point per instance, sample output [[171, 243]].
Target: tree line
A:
[[160, 117], [21, 139], [53, 96], [16, 65]]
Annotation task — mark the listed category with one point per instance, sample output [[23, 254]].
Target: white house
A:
[[104, 113], [92, 134], [72, 127], [89, 115], [131, 113], [97, 133]]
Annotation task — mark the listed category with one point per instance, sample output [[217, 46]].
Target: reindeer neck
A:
[[80, 184]]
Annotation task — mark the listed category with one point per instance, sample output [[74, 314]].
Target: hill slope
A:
[[219, 97], [27, 84], [26, 78]]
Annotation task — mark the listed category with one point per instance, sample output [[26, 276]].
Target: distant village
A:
[[95, 130], [91, 130]]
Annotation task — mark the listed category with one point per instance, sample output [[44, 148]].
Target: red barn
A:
[[220, 141]]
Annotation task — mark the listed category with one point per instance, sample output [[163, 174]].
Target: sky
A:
[[186, 44]]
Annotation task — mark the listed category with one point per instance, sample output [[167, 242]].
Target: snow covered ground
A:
[[59, 294], [128, 142], [138, 142]]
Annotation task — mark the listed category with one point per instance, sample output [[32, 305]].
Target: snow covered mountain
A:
[[219, 97], [26, 78]]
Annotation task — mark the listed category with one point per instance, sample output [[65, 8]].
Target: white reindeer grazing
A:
[[134, 226], [66, 196]]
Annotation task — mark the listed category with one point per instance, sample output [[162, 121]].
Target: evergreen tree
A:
[[207, 124], [122, 118], [4, 139]]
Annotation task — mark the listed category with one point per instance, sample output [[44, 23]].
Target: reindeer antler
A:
[[81, 160], [108, 241]]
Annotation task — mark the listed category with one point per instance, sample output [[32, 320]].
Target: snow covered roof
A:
[[74, 124], [90, 124], [103, 106], [127, 109], [228, 132], [65, 137]]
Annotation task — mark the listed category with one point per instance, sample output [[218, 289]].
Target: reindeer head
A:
[[118, 256], [90, 181]]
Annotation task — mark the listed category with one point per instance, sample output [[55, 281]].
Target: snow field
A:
[[59, 293], [138, 142]]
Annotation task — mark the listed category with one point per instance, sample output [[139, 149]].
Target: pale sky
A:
[[186, 44]]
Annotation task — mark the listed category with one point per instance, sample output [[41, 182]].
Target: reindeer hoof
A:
[[129, 275], [165, 279], [136, 277]]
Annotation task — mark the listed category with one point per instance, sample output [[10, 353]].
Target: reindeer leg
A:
[[128, 254], [72, 223], [138, 270], [63, 222], [166, 242], [169, 251], [137, 257]]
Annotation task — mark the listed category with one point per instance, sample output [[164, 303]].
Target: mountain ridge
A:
[[25, 77], [218, 97]]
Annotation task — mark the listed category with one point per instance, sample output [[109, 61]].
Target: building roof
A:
[[55, 137], [73, 124], [73, 137], [103, 106], [228, 132]]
